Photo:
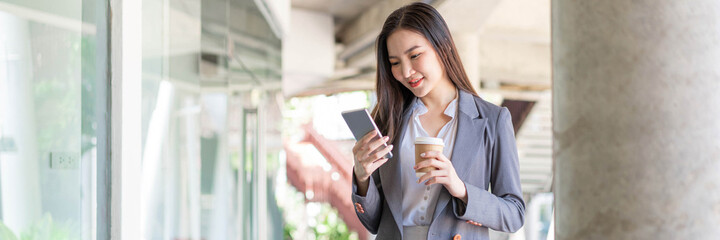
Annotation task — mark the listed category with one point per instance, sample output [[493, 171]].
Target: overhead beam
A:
[[358, 36], [360, 33]]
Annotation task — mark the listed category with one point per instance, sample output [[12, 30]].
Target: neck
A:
[[439, 98]]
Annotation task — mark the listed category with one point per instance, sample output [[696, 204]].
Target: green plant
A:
[[330, 226], [44, 228], [5, 232], [288, 230]]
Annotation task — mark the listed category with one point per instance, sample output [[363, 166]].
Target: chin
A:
[[419, 93]]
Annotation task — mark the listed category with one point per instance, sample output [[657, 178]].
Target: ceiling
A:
[[341, 10], [513, 40]]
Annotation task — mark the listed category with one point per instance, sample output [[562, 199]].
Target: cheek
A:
[[432, 69], [428, 65], [396, 73]]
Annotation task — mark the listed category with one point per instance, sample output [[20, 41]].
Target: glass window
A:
[[48, 128], [207, 166]]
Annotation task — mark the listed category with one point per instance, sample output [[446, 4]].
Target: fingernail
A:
[[391, 146], [386, 138], [422, 154]]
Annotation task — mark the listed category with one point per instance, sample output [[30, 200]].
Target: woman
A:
[[423, 91]]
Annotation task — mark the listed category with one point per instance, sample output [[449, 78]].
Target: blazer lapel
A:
[[468, 143], [390, 173]]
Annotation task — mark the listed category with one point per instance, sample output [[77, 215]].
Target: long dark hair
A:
[[393, 98]]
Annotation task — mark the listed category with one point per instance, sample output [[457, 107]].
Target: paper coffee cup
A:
[[425, 144]]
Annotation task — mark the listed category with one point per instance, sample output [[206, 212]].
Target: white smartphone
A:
[[361, 123]]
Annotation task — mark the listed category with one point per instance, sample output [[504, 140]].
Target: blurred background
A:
[[240, 129]]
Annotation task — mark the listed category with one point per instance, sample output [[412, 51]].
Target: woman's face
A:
[[414, 62]]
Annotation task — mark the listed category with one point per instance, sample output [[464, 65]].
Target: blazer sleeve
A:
[[504, 209], [371, 203]]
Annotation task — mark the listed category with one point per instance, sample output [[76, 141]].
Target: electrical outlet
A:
[[7, 144], [64, 160]]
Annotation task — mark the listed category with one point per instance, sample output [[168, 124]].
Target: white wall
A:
[[308, 51]]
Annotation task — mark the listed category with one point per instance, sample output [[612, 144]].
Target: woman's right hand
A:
[[369, 154]]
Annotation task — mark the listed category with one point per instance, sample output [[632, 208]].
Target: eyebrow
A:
[[406, 51]]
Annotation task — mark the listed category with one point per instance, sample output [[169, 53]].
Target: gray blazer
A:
[[484, 156]]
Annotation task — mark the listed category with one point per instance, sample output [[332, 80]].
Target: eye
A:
[[394, 63], [415, 56]]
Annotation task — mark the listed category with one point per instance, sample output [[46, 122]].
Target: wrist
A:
[[362, 181], [362, 184], [360, 178], [463, 195]]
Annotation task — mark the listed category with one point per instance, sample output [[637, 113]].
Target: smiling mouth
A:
[[416, 82]]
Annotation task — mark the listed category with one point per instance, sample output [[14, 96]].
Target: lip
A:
[[416, 82]]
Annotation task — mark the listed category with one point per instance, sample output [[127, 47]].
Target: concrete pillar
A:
[[636, 120], [19, 168], [468, 46]]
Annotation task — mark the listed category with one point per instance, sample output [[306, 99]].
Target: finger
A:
[[366, 150], [431, 181], [380, 153], [368, 157], [369, 136], [361, 156], [432, 162], [356, 147], [356, 158], [425, 177], [363, 141], [435, 180], [375, 143], [433, 154], [377, 163], [379, 160], [432, 174]]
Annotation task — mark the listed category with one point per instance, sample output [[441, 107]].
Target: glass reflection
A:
[[206, 65], [47, 120]]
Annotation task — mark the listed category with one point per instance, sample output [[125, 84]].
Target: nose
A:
[[407, 70]]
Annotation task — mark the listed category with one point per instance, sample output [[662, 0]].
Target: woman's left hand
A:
[[444, 174]]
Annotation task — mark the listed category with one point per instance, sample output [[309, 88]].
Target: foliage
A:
[[5, 233], [321, 220], [288, 230], [44, 228], [330, 226]]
